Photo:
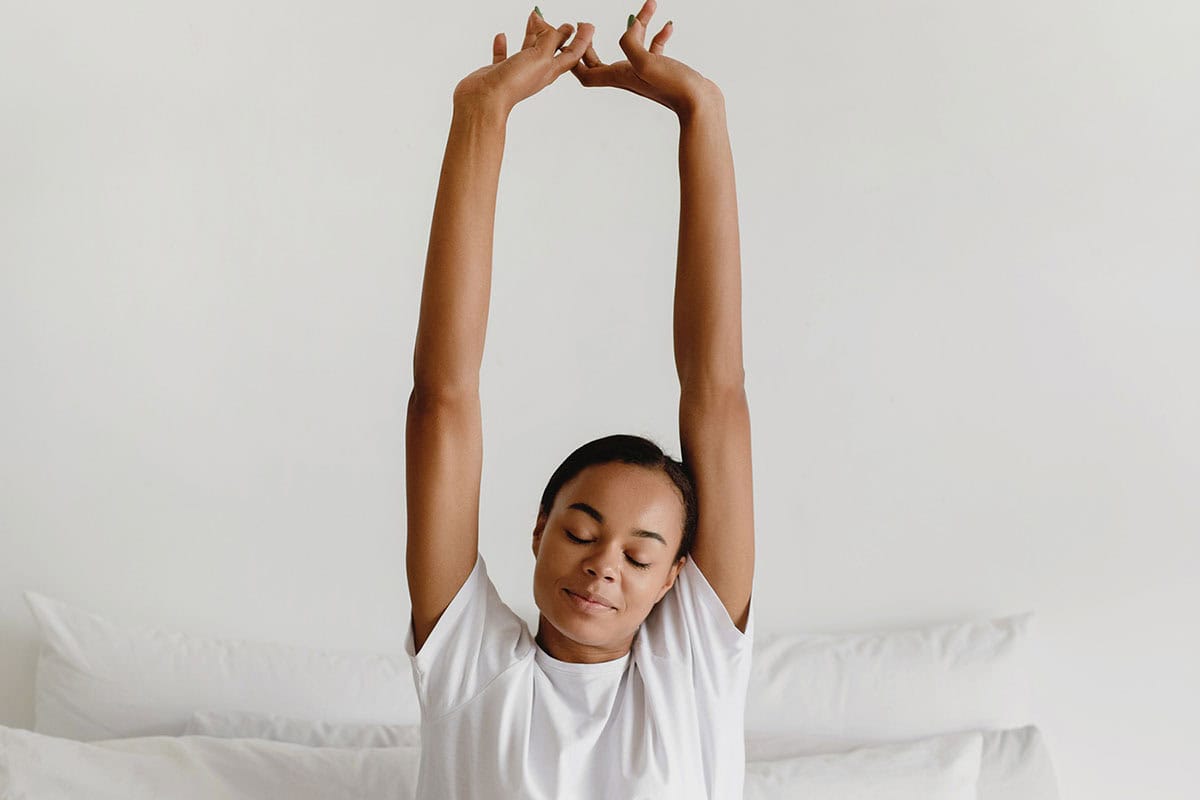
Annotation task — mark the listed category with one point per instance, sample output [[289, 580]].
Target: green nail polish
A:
[[630, 24], [538, 11]]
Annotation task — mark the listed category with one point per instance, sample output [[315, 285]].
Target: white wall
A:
[[971, 271]]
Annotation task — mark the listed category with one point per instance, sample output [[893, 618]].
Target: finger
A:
[[532, 28], [538, 30], [588, 67], [590, 58], [549, 41], [660, 41], [573, 53], [593, 76], [603, 74], [633, 41], [499, 48]]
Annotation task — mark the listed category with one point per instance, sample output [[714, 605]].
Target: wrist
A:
[[705, 100], [483, 107]]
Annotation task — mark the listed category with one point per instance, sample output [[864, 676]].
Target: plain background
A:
[[971, 266]]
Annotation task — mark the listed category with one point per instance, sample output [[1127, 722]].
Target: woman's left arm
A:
[[708, 276], [714, 415]]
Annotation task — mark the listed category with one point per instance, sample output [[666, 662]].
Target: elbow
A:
[[713, 395], [723, 381], [430, 394]]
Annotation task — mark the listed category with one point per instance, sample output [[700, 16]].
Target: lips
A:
[[595, 598]]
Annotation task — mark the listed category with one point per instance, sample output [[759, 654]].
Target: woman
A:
[[634, 685]]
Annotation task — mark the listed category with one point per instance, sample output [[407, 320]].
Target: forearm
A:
[[456, 290], [708, 281]]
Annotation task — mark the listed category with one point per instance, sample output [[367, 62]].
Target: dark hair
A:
[[636, 450]]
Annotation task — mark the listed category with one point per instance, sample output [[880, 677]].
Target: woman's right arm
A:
[[458, 264], [444, 430]]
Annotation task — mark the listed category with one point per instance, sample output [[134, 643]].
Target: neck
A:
[[555, 644]]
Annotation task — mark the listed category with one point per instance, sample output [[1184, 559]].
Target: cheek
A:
[[556, 554]]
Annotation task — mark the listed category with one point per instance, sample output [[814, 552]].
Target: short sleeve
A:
[[691, 630], [692, 621], [477, 637]]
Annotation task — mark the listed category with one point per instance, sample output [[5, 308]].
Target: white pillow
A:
[[935, 768], [246, 725], [98, 679], [202, 768], [33, 765], [849, 689], [1015, 764]]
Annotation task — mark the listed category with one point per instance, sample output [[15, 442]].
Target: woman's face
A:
[[625, 516]]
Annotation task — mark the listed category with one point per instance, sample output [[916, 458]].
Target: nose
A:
[[608, 576], [601, 566]]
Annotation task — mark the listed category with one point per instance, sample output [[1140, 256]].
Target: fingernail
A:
[[630, 24], [538, 11]]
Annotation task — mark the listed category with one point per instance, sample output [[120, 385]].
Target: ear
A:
[[538, 527], [674, 573]]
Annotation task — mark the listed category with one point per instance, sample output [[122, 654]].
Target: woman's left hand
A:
[[647, 72]]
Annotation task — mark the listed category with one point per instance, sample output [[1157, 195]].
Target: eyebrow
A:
[[596, 515]]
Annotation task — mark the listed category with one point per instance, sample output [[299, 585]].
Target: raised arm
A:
[[444, 429], [714, 417]]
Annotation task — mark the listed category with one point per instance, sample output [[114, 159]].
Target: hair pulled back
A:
[[636, 450]]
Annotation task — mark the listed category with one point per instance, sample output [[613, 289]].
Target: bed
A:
[[937, 712]]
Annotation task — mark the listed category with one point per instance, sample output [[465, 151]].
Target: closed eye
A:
[[637, 564]]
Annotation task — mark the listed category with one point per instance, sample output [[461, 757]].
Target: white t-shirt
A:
[[502, 719]]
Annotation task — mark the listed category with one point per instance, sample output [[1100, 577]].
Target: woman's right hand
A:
[[510, 79]]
